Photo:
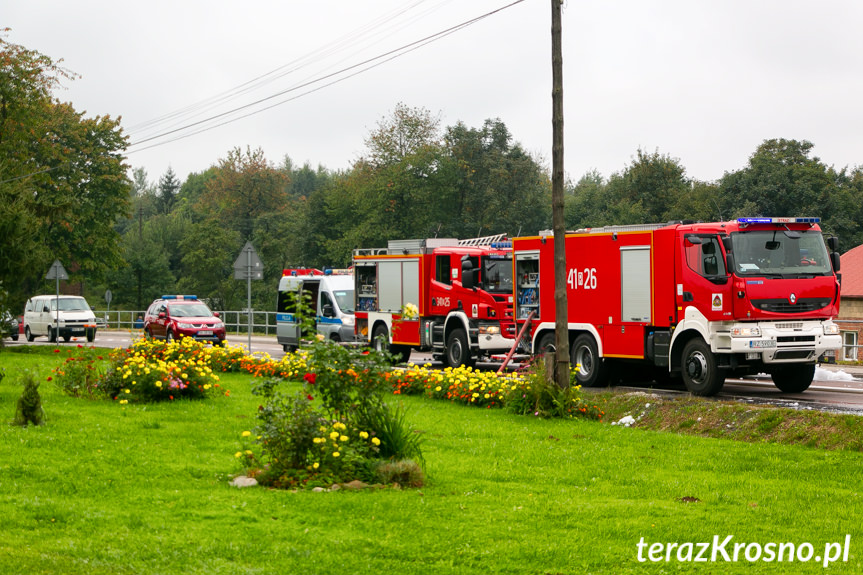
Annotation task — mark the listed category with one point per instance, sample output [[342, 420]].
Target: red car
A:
[[176, 316]]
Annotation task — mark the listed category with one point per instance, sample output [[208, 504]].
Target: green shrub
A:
[[541, 397], [29, 409]]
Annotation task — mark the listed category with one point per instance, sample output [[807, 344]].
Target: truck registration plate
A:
[[762, 343]]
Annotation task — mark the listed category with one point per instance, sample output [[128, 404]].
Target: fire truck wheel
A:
[[458, 349], [793, 378], [700, 373], [546, 343], [401, 353], [593, 370], [380, 338]]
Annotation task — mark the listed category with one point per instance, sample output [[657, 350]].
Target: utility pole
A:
[[561, 322]]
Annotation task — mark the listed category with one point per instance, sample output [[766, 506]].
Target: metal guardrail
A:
[[235, 321]]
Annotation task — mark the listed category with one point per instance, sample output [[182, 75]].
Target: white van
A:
[[66, 316], [331, 299]]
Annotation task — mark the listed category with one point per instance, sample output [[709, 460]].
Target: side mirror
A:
[[834, 259], [215, 314], [329, 311], [833, 243], [726, 243], [467, 279], [161, 315]]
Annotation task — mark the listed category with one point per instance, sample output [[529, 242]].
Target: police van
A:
[[329, 296], [66, 316]]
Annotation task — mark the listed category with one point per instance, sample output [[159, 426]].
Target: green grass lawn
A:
[[102, 489]]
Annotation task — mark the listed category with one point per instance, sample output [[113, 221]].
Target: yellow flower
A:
[[334, 435], [124, 401], [247, 433], [335, 453], [364, 435], [376, 441], [158, 384], [316, 465], [437, 388], [248, 452], [343, 438], [238, 454], [126, 390]]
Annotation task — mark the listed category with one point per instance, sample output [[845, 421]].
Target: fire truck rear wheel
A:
[[700, 372], [593, 370], [458, 349], [793, 378]]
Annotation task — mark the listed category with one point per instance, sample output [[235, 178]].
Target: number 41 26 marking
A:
[[585, 279]]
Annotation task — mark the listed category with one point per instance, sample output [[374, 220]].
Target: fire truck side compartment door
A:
[[635, 284]]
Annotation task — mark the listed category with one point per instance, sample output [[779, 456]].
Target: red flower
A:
[[56, 351], [49, 378], [309, 397], [310, 377]]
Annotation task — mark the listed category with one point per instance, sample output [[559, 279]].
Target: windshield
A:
[[497, 274], [190, 310], [70, 304], [773, 253], [345, 300]]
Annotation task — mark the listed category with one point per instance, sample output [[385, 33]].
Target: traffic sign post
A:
[[57, 272], [248, 266]]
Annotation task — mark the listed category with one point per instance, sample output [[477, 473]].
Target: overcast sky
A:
[[704, 81]]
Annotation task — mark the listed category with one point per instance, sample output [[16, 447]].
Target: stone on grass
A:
[[243, 481]]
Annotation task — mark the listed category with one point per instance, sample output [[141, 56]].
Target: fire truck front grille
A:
[[803, 305], [795, 339]]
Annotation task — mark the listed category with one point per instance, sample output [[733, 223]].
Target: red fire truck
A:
[[447, 296], [701, 301]]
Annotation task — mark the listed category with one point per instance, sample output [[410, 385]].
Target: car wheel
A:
[[169, 336], [28, 334], [14, 337], [793, 378], [67, 338], [592, 369], [91, 335], [699, 370], [458, 349], [52, 335]]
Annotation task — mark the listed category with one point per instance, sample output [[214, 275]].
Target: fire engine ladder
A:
[[484, 241], [522, 331]]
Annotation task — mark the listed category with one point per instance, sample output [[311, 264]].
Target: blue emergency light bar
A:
[[501, 245], [180, 297], [778, 220]]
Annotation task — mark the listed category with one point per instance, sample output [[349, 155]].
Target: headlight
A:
[[348, 320], [185, 325], [830, 329], [219, 325], [489, 329], [746, 331]]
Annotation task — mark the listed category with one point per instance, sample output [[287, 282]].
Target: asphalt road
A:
[[835, 387]]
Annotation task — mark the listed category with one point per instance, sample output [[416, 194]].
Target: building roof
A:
[[851, 268]]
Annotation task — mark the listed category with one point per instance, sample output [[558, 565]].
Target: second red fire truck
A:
[[702, 301], [451, 297]]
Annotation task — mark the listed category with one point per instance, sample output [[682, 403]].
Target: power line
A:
[[363, 66]]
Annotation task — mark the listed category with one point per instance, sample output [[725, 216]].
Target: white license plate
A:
[[205, 332], [762, 343], [77, 330]]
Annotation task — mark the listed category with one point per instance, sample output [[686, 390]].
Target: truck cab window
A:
[[704, 256]]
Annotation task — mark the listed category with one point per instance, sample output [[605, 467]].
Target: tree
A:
[[169, 186], [62, 178]]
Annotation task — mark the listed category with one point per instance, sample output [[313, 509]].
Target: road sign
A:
[[108, 297], [57, 272], [248, 265]]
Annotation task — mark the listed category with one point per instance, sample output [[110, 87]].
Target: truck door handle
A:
[[687, 296]]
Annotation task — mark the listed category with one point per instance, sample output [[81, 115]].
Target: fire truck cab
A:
[[700, 301]]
